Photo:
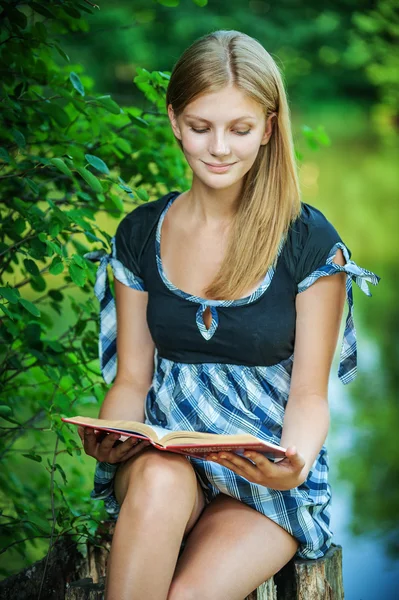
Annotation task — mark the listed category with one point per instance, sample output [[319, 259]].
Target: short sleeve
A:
[[126, 252], [312, 251], [125, 264], [315, 237]]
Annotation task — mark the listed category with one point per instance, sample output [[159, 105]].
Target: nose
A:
[[219, 145]]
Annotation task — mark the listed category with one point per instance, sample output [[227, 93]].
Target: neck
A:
[[211, 207]]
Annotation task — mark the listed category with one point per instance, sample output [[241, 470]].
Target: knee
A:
[[154, 470]]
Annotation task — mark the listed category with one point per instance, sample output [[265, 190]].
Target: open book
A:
[[192, 443]]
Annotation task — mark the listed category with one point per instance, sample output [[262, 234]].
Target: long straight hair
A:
[[270, 199]]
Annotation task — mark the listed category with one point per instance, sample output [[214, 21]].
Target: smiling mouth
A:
[[220, 165]]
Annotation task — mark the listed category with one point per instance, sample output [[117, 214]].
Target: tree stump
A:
[[62, 565], [299, 579]]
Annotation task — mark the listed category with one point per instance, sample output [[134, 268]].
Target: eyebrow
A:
[[233, 121]]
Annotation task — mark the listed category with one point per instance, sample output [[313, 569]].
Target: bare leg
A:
[[160, 501], [229, 553]]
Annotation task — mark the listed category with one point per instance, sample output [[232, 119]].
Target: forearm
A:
[[305, 426], [124, 400]]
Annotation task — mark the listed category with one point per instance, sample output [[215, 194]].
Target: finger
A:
[[296, 459], [81, 432], [89, 441], [108, 442], [238, 464], [135, 450], [123, 447]]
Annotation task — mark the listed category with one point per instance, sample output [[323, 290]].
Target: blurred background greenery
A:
[[340, 63]]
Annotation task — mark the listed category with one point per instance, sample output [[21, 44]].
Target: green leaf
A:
[[19, 225], [41, 10], [62, 472], [32, 456], [30, 307], [109, 104], [77, 84], [55, 228], [55, 345], [77, 274], [97, 163], [60, 51], [142, 194], [4, 155], [16, 17], [19, 138], [61, 166], [139, 121], [91, 179], [124, 145], [57, 113], [32, 185], [40, 31], [5, 410], [7, 312], [9, 294], [31, 267], [57, 266], [38, 283], [117, 201], [79, 260]]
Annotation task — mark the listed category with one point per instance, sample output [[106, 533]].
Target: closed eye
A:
[[205, 130]]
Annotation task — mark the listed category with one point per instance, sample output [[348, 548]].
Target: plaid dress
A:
[[205, 381]]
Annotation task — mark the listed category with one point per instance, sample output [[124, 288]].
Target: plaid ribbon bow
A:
[[107, 337], [347, 370]]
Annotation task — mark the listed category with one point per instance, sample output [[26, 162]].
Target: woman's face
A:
[[221, 128]]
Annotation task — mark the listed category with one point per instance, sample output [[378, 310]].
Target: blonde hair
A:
[[270, 199]]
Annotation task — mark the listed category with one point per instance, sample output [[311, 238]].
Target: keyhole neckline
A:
[[260, 290]]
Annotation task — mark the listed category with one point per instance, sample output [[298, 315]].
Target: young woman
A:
[[227, 322]]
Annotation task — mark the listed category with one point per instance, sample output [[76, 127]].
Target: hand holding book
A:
[[107, 447], [288, 473], [191, 443]]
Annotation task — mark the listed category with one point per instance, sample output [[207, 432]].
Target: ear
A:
[[268, 128], [173, 122]]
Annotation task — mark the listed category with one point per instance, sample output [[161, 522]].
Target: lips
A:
[[219, 165], [219, 168]]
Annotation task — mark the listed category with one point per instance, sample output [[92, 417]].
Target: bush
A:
[[70, 162]]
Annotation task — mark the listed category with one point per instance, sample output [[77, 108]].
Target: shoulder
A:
[[134, 231], [141, 220], [311, 223], [309, 241]]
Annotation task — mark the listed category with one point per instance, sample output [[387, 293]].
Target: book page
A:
[[188, 437], [122, 426]]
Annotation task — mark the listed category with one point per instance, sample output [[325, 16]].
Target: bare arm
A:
[[135, 347], [126, 398], [319, 313]]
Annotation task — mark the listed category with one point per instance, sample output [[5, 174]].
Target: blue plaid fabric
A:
[[107, 337], [227, 398], [347, 369]]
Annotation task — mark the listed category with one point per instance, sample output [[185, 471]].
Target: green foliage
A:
[[71, 161]]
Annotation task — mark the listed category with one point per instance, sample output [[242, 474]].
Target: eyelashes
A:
[[205, 130]]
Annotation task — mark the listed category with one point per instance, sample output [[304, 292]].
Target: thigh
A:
[[175, 468], [231, 550]]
